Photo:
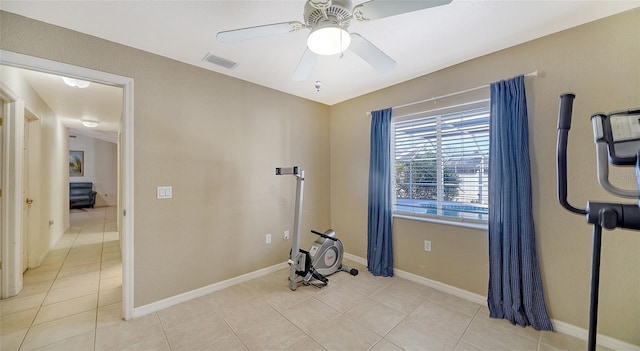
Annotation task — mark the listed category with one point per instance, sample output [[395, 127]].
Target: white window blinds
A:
[[441, 165]]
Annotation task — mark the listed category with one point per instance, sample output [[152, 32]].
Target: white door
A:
[[12, 198], [26, 202], [36, 244], [29, 213]]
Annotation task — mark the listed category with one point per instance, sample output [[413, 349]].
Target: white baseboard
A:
[[581, 333], [189, 295], [41, 258], [354, 258], [452, 290], [559, 326]]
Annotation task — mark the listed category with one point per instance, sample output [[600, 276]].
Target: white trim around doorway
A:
[[13, 59]]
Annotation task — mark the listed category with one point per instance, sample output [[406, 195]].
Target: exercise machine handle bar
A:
[[599, 214], [324, 236], [295, 254], [295, 170], [564, 124], [602, 157]]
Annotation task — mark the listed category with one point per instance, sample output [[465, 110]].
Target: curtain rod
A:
[[400, 117], [531, 74]]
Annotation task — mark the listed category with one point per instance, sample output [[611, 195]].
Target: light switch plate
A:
[[165, 192]]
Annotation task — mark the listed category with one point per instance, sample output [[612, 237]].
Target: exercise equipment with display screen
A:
[[617, 138]]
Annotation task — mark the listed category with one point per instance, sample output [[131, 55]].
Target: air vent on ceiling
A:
[[217, 60]]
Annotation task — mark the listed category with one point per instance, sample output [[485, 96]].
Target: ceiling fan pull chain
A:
[[341, 47]]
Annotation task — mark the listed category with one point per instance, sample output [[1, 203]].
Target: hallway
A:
[[82, 273]]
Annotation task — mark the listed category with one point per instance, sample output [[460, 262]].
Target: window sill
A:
[[478, 226]]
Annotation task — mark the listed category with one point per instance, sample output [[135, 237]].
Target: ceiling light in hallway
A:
[[76, 83]]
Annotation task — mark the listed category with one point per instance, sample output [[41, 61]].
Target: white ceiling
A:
[[98, 102], [421, 42]]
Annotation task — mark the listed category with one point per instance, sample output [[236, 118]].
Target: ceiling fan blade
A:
[[305, 66], [234, 35], [370, 53], [375, 9]]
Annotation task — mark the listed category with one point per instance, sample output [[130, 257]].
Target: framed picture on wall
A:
[[76, 163]]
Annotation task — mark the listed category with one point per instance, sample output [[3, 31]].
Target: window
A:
[[441, 165]]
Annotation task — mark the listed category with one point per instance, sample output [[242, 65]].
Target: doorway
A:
[[2, 231], [125, 172], [12, 184]]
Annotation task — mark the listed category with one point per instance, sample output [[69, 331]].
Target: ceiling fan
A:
[[328, 21]]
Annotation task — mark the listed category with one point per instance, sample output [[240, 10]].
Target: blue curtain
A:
[[515, 285], [379, 245]]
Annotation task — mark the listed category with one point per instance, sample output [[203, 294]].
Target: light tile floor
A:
[[73, 302]]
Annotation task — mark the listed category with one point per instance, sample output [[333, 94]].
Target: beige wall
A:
[[51, 201], [55, 158], [101, 167], [600, 63], [217, 141]]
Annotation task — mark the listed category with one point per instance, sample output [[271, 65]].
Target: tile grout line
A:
[[341, 314], [164, 332], [234, 333], [466, 329], [95, 326], [285, 317], [47, 292], [71, 246]]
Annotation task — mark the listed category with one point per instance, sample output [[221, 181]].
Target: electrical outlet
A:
[[268, 239], [427, 245], [286, 235]]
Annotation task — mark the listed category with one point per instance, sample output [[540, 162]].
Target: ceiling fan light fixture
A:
[[328, 40], [76, 83]]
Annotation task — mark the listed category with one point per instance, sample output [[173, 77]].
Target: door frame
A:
[[126, 201], [12, 207]]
